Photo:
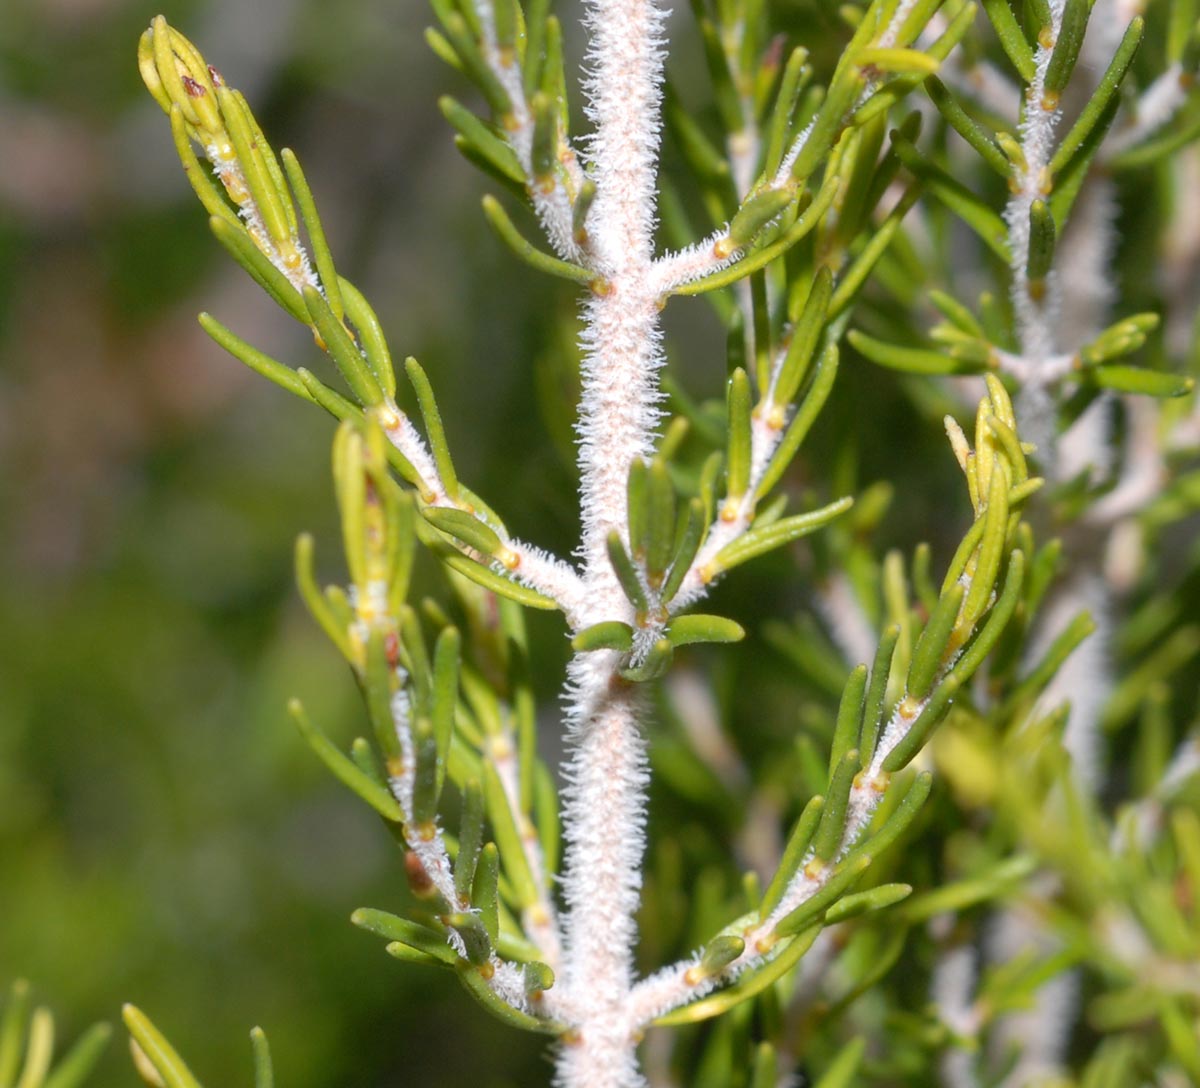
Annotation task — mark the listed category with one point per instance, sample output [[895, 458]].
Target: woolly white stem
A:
[[618, 407], [953, 986], [604, 801], [846, 619], [604, 821], [1035, 316]]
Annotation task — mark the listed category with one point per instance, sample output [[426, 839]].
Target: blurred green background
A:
[[164, 838]]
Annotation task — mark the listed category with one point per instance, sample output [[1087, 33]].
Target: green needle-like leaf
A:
[[262, 364], [809, 219], [199, 174], [843, 1069], [843, 877], [610, 635], [685, 630], [490, 580], [919, 731], [485, 889], [1135, 379], [321, 254], [805, 417], [793, 854], [1012, 37], [378, 688], [370, 333], [1040, 258], [755, 214], [39, 1049], [759, 541], [506, 230], [343, 768], [161, 1055], [796, 74], [991, 549], [241, 248], [465, 527], [1001, 612], [12, 1031], [545, 140], [264, 1071], [635, 506], [860, 268], [75, 1068], [477, 986], [719, 953], [873, 701], [446, 660], [660, 521], [849, 717], [412, 934], [909, 360], [859, 903], [342, 349], [579, 213], [1067, 45], [483, 142], [318, 606], [539, 977], [470, 839], [1070, 178], [969, 129], [466, 46], [929, 654], [829, 122], [739, 431], [805, 335], [766, 1067], [1098, 102], [957, 197], [626, 574], [425, 777], [688, 540], [506, 828], [828, 837]]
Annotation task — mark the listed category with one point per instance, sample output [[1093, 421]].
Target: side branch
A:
[[428, 846], [553, 196]]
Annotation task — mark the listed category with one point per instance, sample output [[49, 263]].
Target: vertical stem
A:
[[605, 799], [618, 408], [605, 815], [1035, 312]]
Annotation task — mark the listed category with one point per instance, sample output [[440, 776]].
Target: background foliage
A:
[[163, 836]]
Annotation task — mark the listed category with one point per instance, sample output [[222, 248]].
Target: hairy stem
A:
[[605, 802], [604, 826]]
